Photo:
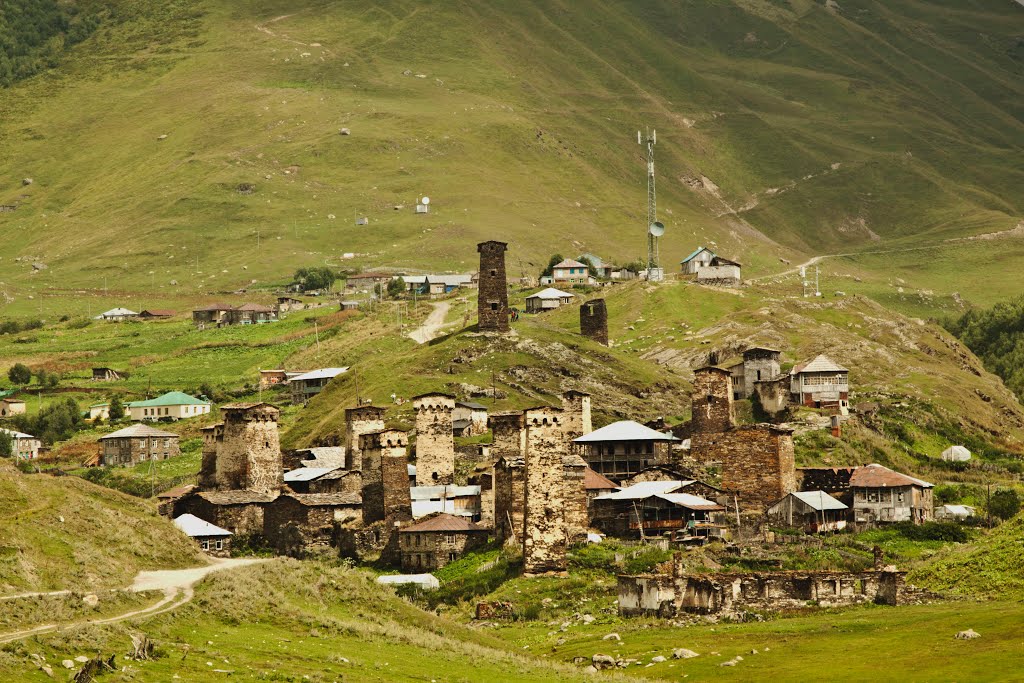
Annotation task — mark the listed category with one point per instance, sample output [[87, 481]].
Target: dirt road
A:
[[433, 325], [176, 585]]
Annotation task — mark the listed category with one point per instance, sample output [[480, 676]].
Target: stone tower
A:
[[360, 420], [435, 439], [385, 485], [508, 431], [594, 320], [492, 302], [759, 364], [576, 409], [711, 400], [544, 525], [249, 453], [212, 436], [508, 434]]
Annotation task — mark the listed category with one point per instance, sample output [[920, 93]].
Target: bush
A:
[[315, 278], [1004, 504], [116, 409], [948, 532], [19, 374]]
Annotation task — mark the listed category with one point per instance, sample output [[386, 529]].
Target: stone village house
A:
[[138, 443], [433, 542], [211, 538]]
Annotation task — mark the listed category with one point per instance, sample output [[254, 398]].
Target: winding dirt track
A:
[[176, 585]]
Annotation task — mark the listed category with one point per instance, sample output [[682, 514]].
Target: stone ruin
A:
[[492, 299], [594, 320], [435, 439]]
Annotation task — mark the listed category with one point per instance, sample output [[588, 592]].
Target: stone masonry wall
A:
[[576, 410], [212, 437], [544, 537], [394, 462], [249, 454], [509, 497], [492, 302], [757, 463], [711, 400], [594, 320], [358, 421], [574, 494], [372, 483], [435, 440]]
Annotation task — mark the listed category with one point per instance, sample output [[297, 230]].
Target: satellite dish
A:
[[425, 200], [657, 229]]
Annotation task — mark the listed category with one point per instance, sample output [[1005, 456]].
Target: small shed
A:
[[813, 511], [956, 454], [547, 299], [954, 512], [117, 315], [11, 406], [105, 375], [151, 313], [210, 537]]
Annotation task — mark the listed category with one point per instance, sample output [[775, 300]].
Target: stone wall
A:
[[594, 320], [509, 497], [711, 400], [759, 365], [757, 462], [827, 479], [132, 450], [483, 477], [544, 537], [492, 302], [574, 495], [394, 464], [372, 482], [576, 411], [508, 432], [435, 439], [431, 550], [673, 593], [249, 453], [773, 395], [358, 421]]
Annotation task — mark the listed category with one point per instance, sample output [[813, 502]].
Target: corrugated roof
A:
[[646, 489], [958, 510], [569, 263], [694, 254], [113, 312], [472, 405], [256, 308], [820, 363], [551, 293], [819, 500], [624, 430], [171, 398], [14, 434], [422, 508], [592, 481], [878, 476], [439, 492], [308, 473], [198, 528], [322, 373], [138, 430], [690, 501], [442, 522]]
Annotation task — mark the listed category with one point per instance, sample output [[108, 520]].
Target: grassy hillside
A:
[[783, 126], [58, 533]]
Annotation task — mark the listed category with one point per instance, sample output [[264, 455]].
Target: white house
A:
[[309, 384], [23, 445], [174, 405], [570, 272], [547, 299], [821, 383], [117, 314]]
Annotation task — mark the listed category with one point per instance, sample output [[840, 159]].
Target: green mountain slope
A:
[[782, 126], [65, 533]]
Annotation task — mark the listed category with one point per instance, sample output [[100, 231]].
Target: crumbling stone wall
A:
[[773, 395], [711, 401], [484, 478], [672, 593], [492, 302], [509, 497], [358, 421], [296, 526], [212, 437], [594, 320], [249, 452], [576, 411], [508, 432], [435, 439], [372, 481], [544, 528], [760, 365]]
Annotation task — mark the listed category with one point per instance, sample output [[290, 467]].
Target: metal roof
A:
[[442, 522], [471, 405], [551, 293], [688, 500], [958, 510], [439, 492], [624, 430], [114, 312], [171, 398], [14, 434], [427, 581], [308, 473], [878, 476], [646, 489], [569, 263], [821, 363], [197, 528], [138, 430], [592, 481], [322, 373], [694, 254], [819, 500]]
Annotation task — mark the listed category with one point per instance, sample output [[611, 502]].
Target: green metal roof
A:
[[171, 398], [697, 251]]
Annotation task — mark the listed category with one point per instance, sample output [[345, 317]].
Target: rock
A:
[[590, 669], [407, 73], [68, 664], [587, 619], [683, 653], [731, 662], [47, 669], [246, 188], [91, 600], [612, 636], [753, 652], [603, 661], [657, 660], [969, 634], [174, 282], [345, 131], [81, 659], [38, 265], [162, 137], [27, 181]]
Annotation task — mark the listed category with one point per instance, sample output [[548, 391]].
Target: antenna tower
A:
[[654, 228]]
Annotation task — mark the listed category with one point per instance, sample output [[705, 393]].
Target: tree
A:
[[315, 278], [116, 409], [6, 445], [591, 268], [1005, 503], [552, 262], [396, 288], [19, 374]]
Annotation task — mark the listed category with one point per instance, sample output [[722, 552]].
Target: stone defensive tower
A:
[[435, 439], [492, 302], [385, 483], [508, 434], [576, 409], [358, 421], [711, 400], [594, 320], [212, 436], [544, 524], [249, 452]]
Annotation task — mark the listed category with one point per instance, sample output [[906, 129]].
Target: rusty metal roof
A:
[[592, 481], [443, 522], [877, 476], [139, 431]]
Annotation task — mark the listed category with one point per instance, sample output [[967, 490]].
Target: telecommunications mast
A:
[[655, 229]]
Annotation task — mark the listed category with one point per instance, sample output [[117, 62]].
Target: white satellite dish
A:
[[657, 229], [425, 200]]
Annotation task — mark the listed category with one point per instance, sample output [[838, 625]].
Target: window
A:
[[449, 538], [204, 544], [494, 272], [220, 545], [417, 540], [452, 557], [494, 305]]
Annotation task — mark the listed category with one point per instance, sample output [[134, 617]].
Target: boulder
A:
[[683, 653], [657, 660], [969, 634], [612, 636]]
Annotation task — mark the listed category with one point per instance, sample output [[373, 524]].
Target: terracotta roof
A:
[[237, 497], [592, 481], [176, 492], [138, 431], [878, 476], [326, 499], [442, 522]]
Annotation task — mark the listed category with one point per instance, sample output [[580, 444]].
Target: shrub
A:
[[19, 374], [949, 532], [1004, 504]]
